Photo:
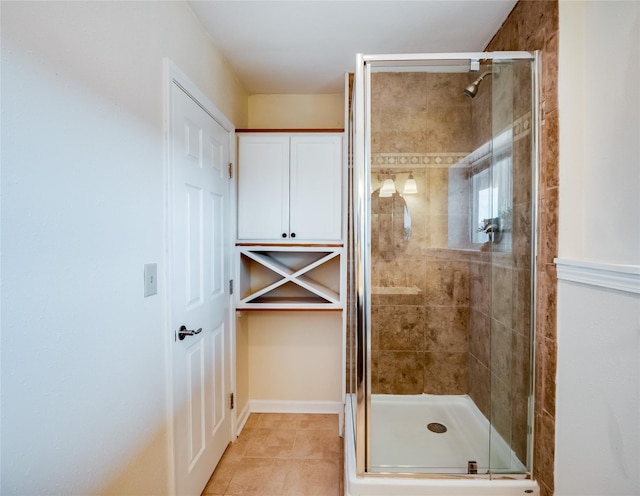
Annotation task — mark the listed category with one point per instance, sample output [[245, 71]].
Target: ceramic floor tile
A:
[[222, 475], [258, 477], [312, 478], [280, 455], [316, 444], [319, 421], [271, 443], [278, 421]]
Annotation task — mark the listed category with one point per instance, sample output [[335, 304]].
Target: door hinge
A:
[[230, 286], [231, 402], [230, 170]]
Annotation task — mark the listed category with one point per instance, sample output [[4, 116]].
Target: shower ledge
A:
[[400, 290]]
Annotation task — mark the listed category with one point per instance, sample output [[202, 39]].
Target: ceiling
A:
[[306, 46]]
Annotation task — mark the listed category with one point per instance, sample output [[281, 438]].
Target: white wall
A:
[[599, 74], [598, 372], [83, 177]]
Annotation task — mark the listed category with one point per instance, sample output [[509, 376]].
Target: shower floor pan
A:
[[402, 444]]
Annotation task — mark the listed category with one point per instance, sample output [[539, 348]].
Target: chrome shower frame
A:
[[362, 227]]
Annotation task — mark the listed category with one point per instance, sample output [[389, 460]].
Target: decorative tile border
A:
[[415, 161], [439, 160]]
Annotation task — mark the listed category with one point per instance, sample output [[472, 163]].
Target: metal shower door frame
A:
[[362, 217]]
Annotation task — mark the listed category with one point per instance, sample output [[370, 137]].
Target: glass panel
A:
[[511, 179], [424, 416], [449, 209]]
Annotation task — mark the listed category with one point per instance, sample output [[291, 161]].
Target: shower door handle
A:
[[183, 332]]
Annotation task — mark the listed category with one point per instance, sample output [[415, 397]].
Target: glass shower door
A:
[[442, 194], [513, 180]]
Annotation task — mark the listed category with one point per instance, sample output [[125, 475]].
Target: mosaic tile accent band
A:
[[415, 160], [438, 160]]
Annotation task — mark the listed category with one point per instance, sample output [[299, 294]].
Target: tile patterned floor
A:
[[282, 455]]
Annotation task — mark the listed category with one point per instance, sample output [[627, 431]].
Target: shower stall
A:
[[442, 204]]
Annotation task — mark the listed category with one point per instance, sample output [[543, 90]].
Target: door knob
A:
[[183, 332]]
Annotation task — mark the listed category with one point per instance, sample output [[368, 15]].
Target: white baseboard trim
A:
[[611, 276], [276, 406], [242, 418]]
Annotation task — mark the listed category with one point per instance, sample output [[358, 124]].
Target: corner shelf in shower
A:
[[284, 277]]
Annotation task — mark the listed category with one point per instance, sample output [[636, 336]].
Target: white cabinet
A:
[[290, 188]]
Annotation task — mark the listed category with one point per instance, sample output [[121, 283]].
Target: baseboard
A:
[[276, 406], [242, 418]]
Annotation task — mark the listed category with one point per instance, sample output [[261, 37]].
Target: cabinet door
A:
[[263, 187], [316, 188]]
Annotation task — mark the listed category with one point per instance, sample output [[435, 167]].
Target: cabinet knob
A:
[[284, 235], [293, 235]]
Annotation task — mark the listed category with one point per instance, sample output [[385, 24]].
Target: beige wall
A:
[[294, 356], [296, 111]]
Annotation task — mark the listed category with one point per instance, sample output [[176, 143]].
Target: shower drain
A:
[[437, 427]]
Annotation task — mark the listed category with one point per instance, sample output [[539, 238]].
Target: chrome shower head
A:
[[472, 90]]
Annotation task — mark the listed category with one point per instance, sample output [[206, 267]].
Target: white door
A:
[[199, 291]]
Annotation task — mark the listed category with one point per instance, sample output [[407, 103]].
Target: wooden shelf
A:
[[291, 278]]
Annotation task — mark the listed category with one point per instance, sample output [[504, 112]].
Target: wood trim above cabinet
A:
[[337, 130], [298, 245]]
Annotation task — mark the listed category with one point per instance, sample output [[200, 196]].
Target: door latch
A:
[[183, 332]]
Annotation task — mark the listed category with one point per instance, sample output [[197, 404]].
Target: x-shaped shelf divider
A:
[[292, 275]]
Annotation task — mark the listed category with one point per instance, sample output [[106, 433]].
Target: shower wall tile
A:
[[547, 302], [447, 282], [401, 328], [502, 294], [400, 372], [522, 171], [550, 72], [479, 280], [521, 244], [445, 373], [519, 425], [481, 122], [501, 350], [448, 128], [447, 329], [548, 226], [479, 338], [375, 387], [479, 381], [446, 88], [501, 407], [533, 25], [377, 325], [544, 452], [393, 89], [549, 154], [522, 304]]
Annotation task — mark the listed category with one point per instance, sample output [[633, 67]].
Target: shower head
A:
[[472, 90]]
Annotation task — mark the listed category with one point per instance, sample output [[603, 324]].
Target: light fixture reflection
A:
[[410, 186], [388, 188]]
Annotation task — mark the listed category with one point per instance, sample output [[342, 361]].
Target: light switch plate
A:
[[150, 279]]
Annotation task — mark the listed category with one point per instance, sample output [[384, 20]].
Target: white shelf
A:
[[281, 277]]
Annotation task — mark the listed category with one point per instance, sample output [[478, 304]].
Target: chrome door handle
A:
[[183, 332]]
